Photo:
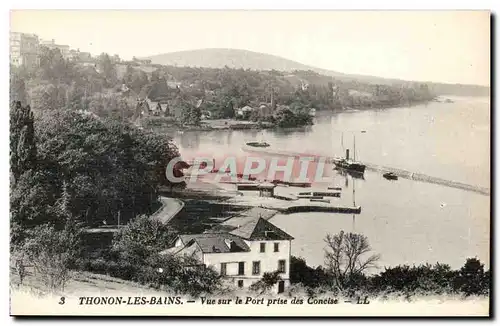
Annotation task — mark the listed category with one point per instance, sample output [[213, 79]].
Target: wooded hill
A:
[[235, 58]]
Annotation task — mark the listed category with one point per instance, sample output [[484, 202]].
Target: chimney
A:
[[347, 154]]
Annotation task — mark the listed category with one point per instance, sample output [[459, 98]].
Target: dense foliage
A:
[[110, 89], [347, 255], [104, 169], [136, 255], [72, 170]]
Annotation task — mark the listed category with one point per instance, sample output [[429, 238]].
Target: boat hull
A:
[[390, 176], [349, 166], [258, 144]]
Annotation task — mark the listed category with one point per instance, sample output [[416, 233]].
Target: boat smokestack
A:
[[347, 154]]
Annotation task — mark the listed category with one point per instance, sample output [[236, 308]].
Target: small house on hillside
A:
[[158, 108], [241, 253], [241, 112]]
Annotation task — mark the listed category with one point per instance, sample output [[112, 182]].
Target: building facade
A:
[[51, 44], [243, 254], [78, 56], [23, 49]]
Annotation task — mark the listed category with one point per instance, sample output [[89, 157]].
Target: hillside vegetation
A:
[[235, 58]]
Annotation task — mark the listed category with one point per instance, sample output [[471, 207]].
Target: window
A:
[[223, 269], [240, 283], [241, 268], [276, 247], [256, 268], [262, 247], [282, 266]]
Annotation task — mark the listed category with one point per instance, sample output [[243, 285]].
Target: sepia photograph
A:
[[248, 163]]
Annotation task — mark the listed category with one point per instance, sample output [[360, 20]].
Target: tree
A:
[[141, 238], [33, 202], [308, 276], [128, 166], [471, 278], [107, 69], [286, 118], [53, 67], [190, 114], [19, 259], [53, 252], [48, 96], [345, 257], [22, 140], [17, 90]]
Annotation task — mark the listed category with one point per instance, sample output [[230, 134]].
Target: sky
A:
[[438, 46]]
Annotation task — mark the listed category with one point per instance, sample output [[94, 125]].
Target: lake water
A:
[[406, 222]]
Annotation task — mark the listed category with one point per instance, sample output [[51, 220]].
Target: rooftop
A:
[[215, 242]]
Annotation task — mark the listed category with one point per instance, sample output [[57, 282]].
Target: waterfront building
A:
[[158, 107], [266, 189], [24, 49], [241, 249]]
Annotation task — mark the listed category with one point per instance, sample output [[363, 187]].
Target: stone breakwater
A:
[[376, 168]]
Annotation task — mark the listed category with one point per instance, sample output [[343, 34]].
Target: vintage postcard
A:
[[250, 163]]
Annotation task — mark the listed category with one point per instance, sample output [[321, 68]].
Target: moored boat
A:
[[348, 164], [258, 144], [390, 176]]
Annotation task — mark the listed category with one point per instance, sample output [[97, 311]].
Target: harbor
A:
[[372, 167], [455, 221]]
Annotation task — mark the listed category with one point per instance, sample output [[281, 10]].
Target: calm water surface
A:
[[407, 222]]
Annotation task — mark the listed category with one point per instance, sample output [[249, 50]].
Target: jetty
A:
[[319, 194], [320, 208], [376, 168]]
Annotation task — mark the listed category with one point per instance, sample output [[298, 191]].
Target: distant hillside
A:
[[235, 58]]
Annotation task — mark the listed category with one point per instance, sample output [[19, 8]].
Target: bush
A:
[[472, 279], [440, 278], [267, 282], [141, 238], [308, 276], [52, 253]]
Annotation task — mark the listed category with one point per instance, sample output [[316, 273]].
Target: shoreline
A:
[[233, 124]]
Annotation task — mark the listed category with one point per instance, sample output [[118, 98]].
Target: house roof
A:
[[184, 250], [249, 226], [261, 229], [215, 242], [252, 226], [163, 106], [245, 217], [152, 104]]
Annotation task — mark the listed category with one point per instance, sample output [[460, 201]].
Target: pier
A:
[[376, 168], [320, 208]]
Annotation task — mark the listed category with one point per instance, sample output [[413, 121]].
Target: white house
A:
[[241, 111], [242, 254]]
